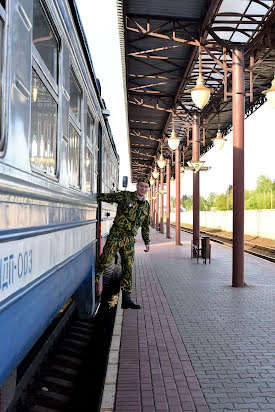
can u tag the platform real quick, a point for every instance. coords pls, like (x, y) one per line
(197, 344)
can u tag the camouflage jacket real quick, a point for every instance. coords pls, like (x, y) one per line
(131, 213)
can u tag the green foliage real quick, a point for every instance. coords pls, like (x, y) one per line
(221, 202)
(188, 203)
(254, 199)
(172, 202)
(264, 184)
(261, 197)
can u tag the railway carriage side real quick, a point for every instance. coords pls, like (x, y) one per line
(53, 127)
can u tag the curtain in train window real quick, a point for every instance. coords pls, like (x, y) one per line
(75, 97)
(43, 127)
(89, 167)
(44, 39)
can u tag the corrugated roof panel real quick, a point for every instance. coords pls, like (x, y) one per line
(167, 8)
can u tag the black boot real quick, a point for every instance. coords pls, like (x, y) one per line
(127, 303)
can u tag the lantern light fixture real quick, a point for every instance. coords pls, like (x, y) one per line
(270, 94)
(152, 181)
(200, 94)
(161, 161)
(173, 141)
(155, 173)
(219, 140)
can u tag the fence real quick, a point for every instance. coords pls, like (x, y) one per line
(259, 223)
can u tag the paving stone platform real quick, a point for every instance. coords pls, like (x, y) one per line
(197, 344)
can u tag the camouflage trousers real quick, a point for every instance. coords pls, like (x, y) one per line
(118, 241)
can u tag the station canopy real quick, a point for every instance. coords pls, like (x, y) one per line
(162, 43)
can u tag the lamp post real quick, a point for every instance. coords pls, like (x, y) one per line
(271, 199)
(196, 181)
(168, 199)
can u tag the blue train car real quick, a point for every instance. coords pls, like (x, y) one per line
(56, 154)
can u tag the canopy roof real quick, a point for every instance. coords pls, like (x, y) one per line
(160, 43)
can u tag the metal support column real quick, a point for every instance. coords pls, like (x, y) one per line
(161, 202)
(168, 199)
(157, 204)
(196, 180)
(154, 207)
(151, 205)
(178, 196)
(238, 93)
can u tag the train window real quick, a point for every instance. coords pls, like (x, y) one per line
(89, 164)
(74, 157)
(95, 169)
(43, 127)
(75, 97)
(1, 57)
(90, 127)
(44, 39)
(2, 20)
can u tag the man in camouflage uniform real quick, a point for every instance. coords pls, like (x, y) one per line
(133, 212)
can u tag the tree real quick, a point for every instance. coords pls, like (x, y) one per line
(221, 202)
(188, 203)
(264, 188)
(210, 201)
(203, 204)
(172, 202)
(264, 184)
(229, 198)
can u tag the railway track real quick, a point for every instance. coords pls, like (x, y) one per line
(66, 371)
(255, 249)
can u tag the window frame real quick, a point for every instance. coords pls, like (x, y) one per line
(3, 52)
(42, 71)
(58, 38)
(88, 147)
(71, 185)
(71, 114)
(91, 140)
(77, 125)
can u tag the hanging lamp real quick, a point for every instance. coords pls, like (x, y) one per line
(161, 161)
(173, 141)
(219, 140)
(200, 94)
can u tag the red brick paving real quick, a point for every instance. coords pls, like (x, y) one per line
(155, 373)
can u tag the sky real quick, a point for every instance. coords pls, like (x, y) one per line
(99, 20)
